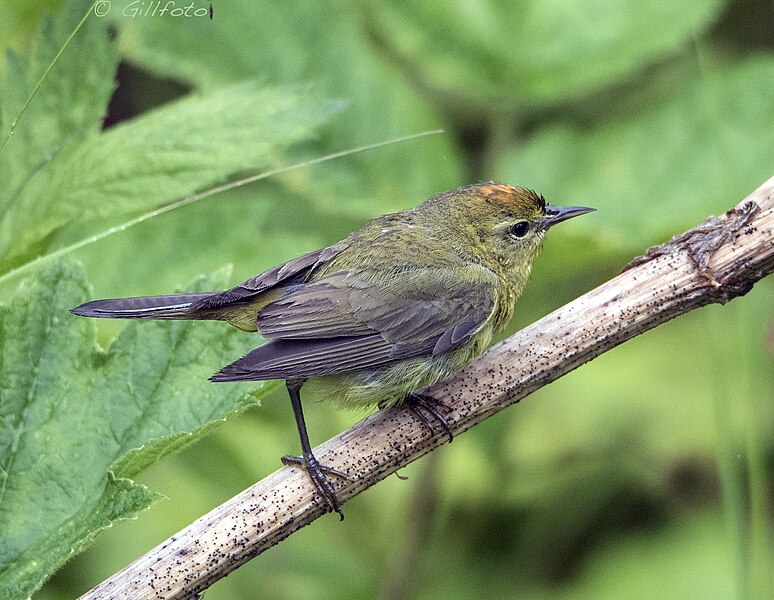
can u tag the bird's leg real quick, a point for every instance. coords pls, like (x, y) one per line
(422, 406)
(308, 461)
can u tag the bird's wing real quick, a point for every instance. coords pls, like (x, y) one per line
(284, 273)
(344, 323)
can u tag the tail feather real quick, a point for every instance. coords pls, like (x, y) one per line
(172, 306)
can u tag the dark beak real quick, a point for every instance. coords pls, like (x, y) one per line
(557, 214)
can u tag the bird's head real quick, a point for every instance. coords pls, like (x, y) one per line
(502, 225)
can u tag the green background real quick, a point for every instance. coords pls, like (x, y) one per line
(648, 473)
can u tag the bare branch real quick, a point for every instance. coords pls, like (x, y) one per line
(718, 260)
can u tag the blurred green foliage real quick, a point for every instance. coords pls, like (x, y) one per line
(648, 473)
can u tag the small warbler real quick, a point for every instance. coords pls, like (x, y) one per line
(373, 319)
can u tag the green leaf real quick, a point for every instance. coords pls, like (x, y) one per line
(120, 500)
(158, 158)
(70, 104)
(72, 413)
(60, 169)
(660, 170)
(503, 55)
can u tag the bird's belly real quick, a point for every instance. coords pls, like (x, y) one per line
(390, 384)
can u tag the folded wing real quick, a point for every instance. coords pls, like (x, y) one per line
(283, 274)
(344, 322)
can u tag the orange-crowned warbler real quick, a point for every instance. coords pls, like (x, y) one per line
(375, 318)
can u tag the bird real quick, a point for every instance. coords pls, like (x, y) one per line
(374, 319)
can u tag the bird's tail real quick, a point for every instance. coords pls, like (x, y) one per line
(172, 306)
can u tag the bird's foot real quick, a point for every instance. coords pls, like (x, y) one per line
(424, 406)
(317, 474)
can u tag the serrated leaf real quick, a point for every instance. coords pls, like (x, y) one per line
(120, 500)
(655, 173)
(511, 56)
(59, 168)
(71, 412)
(157, 158)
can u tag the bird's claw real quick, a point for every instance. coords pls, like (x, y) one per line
(422, 405)
(317, 475)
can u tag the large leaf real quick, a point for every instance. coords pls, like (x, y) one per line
(77, 421)
(653, 173)
(60, 168)
(157, 158)
(501, 55)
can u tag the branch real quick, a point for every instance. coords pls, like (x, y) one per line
(718, 260)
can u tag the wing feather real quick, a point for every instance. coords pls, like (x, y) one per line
(284, 273)
(343, 322)
(299, 359)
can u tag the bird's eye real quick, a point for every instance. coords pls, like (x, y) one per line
(520, 229)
